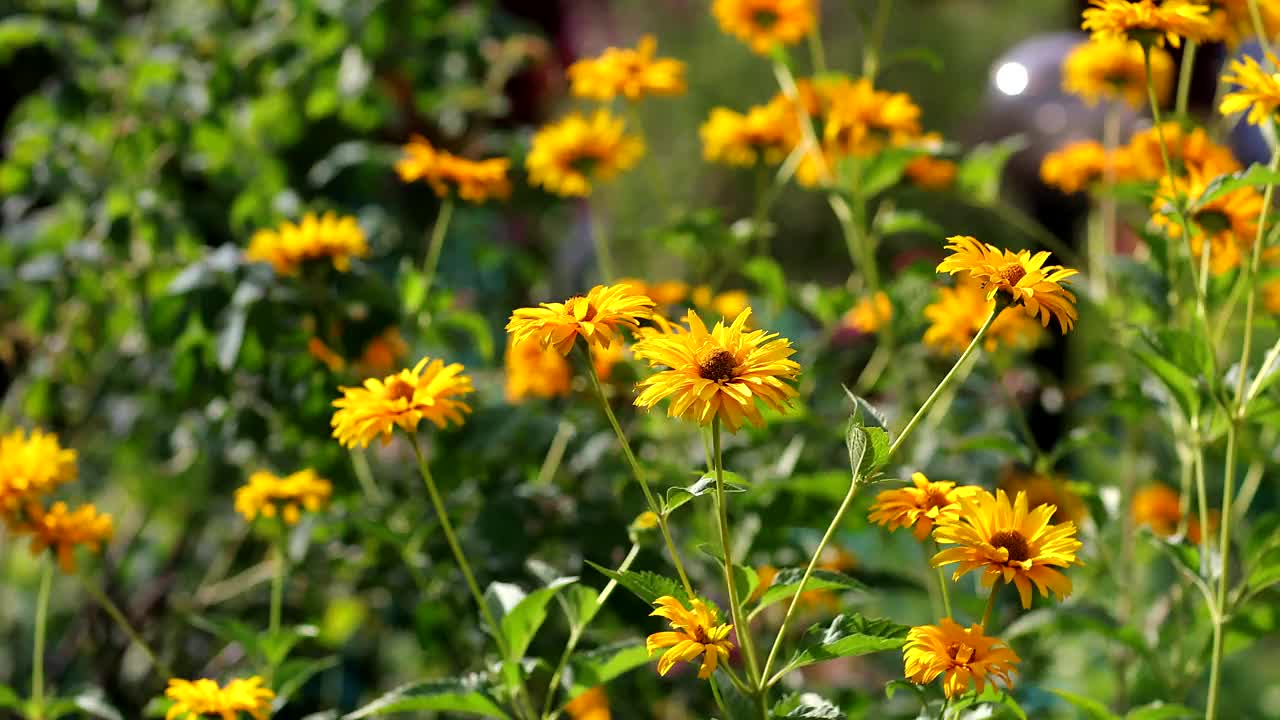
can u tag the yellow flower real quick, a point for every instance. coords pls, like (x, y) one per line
(569, 155)
(695, 633)
(430, 390)
(646, 520)
(1158, 507)
(662, 293)
(1188, 150)
(765, 133)
(204, 698)
(964, 657)
(329, 236)
(761, 23)
(1077, 166)
(1114, 69)
(590, 705)
(31, 467)
(718, 374)
(1042, 489)
(930, 173)
(598, 317)
(920, 507)
(627, 72)
(728, 304)
(265, 492)
(1147, 21)
(1258, 91)
(862, 120)
(1009, 543)
(1230, 221)
(1271, 296)
(958, 313)
(446, 173)
(869, 314)
(535, 371)
(1024, 277)
(1231, 23)
(62, 530)
(384, 352)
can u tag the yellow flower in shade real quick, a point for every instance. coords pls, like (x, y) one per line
(1230, 221)
(268, 495)
(862, 120)
(1115, 70)
(1158, 507)
(448, 174)
(383, 353)
(31, 466)
(1258, 89)
(1230, 21)
(332, 237)
(964, 657)
(590, 705)
(535, 371)
(63, 530)
(204, 698)
(1149, 21)
(317, 349)
(762, 23)
(662, 293)
(1023, 277)
(430, 391)
(569, 155)
(870, 313)
(1042, 489)
(930, 173)
(631, 73)
(1077, 166)
(958, 313)
(598, 317)
(693, 633)
(920, 507)
(765, 133)
(1009, 543)
(1188, 150)
(718, 373)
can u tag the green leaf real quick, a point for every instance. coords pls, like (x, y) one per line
(846, 636)
(866, 414)
(645, 585)
(856, 440)
(9, 698)
(581, 603)
(746, 579)
(893, 686)
(95, 706)
(1255, 176)
(677, 496)
(1180, 385)
(883, 170)
(878, 445)
(293, 674)
(1092, 709)
(522, 622)
(787, 581)
(767, 275)
(599, 666)
(807, 705)
(980, 171)
(1162, 711)
(460, 695)
(231, 631)
(900, 222)
(990, 696)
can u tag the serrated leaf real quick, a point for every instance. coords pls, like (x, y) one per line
(866, 414)
(812, 706)
(787, 581)
(877, 454)
(461, 695)
(581, 603)
(1092, 709)
(846, 636)
(599, 666)
(645, 585)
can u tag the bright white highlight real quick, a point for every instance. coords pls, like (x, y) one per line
(1012, 78)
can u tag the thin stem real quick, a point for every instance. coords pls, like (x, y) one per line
(1259, 28)
(726, 544)
(1202, 497)
(817, 54)
(854, 240)
(110, 608)
(991, 605)
(1184, 77)
(871, 53)
(1107, 205)
(636, 472)
(360, 464)
(942, 585)
(555, 453)
(764, 198)
(42, 620)
(604, 257)
(435, 244)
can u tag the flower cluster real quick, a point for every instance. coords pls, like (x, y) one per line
(448, 174)
(627, 72)
(290, 246)
(269, 495)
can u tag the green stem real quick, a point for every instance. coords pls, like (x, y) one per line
(1202, 497)
(942, 585)
(360, 464)
(871, 53)
(279, 569)
(991, 605)
(726, 544)
(109, 607)
(42, 620)
(1184, 77)
(1259, 28)
(434, 246)
(817, 54)
(604, 257)
(764, 198)
(555, 453)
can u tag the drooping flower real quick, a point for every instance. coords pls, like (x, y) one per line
(535, 371)
(964, 657)
(1188, 150)
(63, 530)
(693, 633)
(289, 246)
(1077, 166)
(869, 314)
(1009, 543)
(631, 73)
(449, 174)
(1022, 277)
(930, 173)
(1114, 69)
(590, 705)
(920, 507)
(597, 317)
(719, 373)
(31, 466)
(1258, 89)
(1229, 221)
(1150, 22)
(763, 23)
(269, 495)
(204, 698)
(569, 155)
(765, 133)
(430, 391)
(958, 313)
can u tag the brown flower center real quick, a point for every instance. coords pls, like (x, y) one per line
(1011, 274)
(718, 366)
(764, 18)
(1012, 541)
(1213, 221)
(398, 389)
(935, 498)
(960, 652)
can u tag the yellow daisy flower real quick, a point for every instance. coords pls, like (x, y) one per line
(1258, 91)
(63, 530)
(204, 698)
(765, 133)
(289, 246)
(630, 73)
(1230, 221)
(265, 493)
(869, 314)
(958, 313)
(446, 173)
(31, 466)
(862, 120)
(1150, 22)
(718, 373)
(693, 633)
(965, 657)
(590, 705)
(569, 155)
(1009, 543)
(920, 507)
(930, 173)
(1114, 69)
(1023, 277)
(762, 23)
(429, 391)
(1188, 150)
(1075, 167)
(535, 371)
(598, 317)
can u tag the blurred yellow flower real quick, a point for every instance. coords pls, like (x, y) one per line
(384, 352)
(862, 120)
(598, 317)
(1042, 489)
(869, 314)
(1258, 91)
(728, 304)
(662, 293)
(63, 530)
(964, 657)
(535, 371)
(920, 507)
(1148, 21)
(646, 520)
(569, 155)
(204, 698)
(631, 73)
(1114, 69)
(958, 313)
(590, 705)
(429, 391)
(1188, 150)
(269, 495)
(446, 173)
(1158, 507)
(762, 23)
(930, 173)
(718, 373)
(287, 247)
(31, 466)
(1230, 221)
(1024, 277)
(694, 633)
(1077, 166)
(765, 133)
(1230, 21)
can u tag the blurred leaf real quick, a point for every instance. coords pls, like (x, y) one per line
(9, 698)
(882, 171)
(806, 705)
(892, 687)
(990, 696)
(981, 170)
(464, 695)
(787, 581)
(230, 631)
(293, 674)
(1162, 711)
(1001, 443)
(846, 636)
(95, 706)
(1092, 709)
(1255, 176)
(766, 273)
(599, 666)
(918, 55)
(898, 222)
